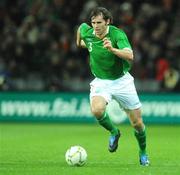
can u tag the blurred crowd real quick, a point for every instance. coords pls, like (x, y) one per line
(38, 51)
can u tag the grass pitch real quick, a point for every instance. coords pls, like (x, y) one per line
(39, 149)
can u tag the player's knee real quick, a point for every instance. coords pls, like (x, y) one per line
(98, 106)
(138, 124)
(98, 111)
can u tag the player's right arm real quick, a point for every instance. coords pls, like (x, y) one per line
(79, 41)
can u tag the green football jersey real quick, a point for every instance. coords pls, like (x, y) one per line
(103, 63)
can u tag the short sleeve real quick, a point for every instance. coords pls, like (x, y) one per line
(83, 29)
(122, 40)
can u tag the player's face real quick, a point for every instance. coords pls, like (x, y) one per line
(99, 25)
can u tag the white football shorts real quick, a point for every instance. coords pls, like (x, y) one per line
(122, 90)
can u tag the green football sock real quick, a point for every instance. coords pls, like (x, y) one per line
(107, 124)
(141, 138)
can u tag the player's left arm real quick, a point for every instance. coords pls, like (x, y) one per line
(125, 53)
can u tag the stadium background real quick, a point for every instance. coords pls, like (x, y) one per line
(44, 80)
(39, 55)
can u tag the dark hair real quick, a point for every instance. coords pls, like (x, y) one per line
(101, 11)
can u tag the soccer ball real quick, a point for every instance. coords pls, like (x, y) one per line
(76, 156)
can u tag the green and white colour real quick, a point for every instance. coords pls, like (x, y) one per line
(109, 66)
(74, 107)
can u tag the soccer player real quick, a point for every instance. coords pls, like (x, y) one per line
(111, 58)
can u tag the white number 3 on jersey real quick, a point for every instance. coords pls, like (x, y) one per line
(90, 47)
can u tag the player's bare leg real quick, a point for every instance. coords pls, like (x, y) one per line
(98, 108)
(140, 134)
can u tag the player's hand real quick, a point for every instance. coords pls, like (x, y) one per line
(107, 44)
